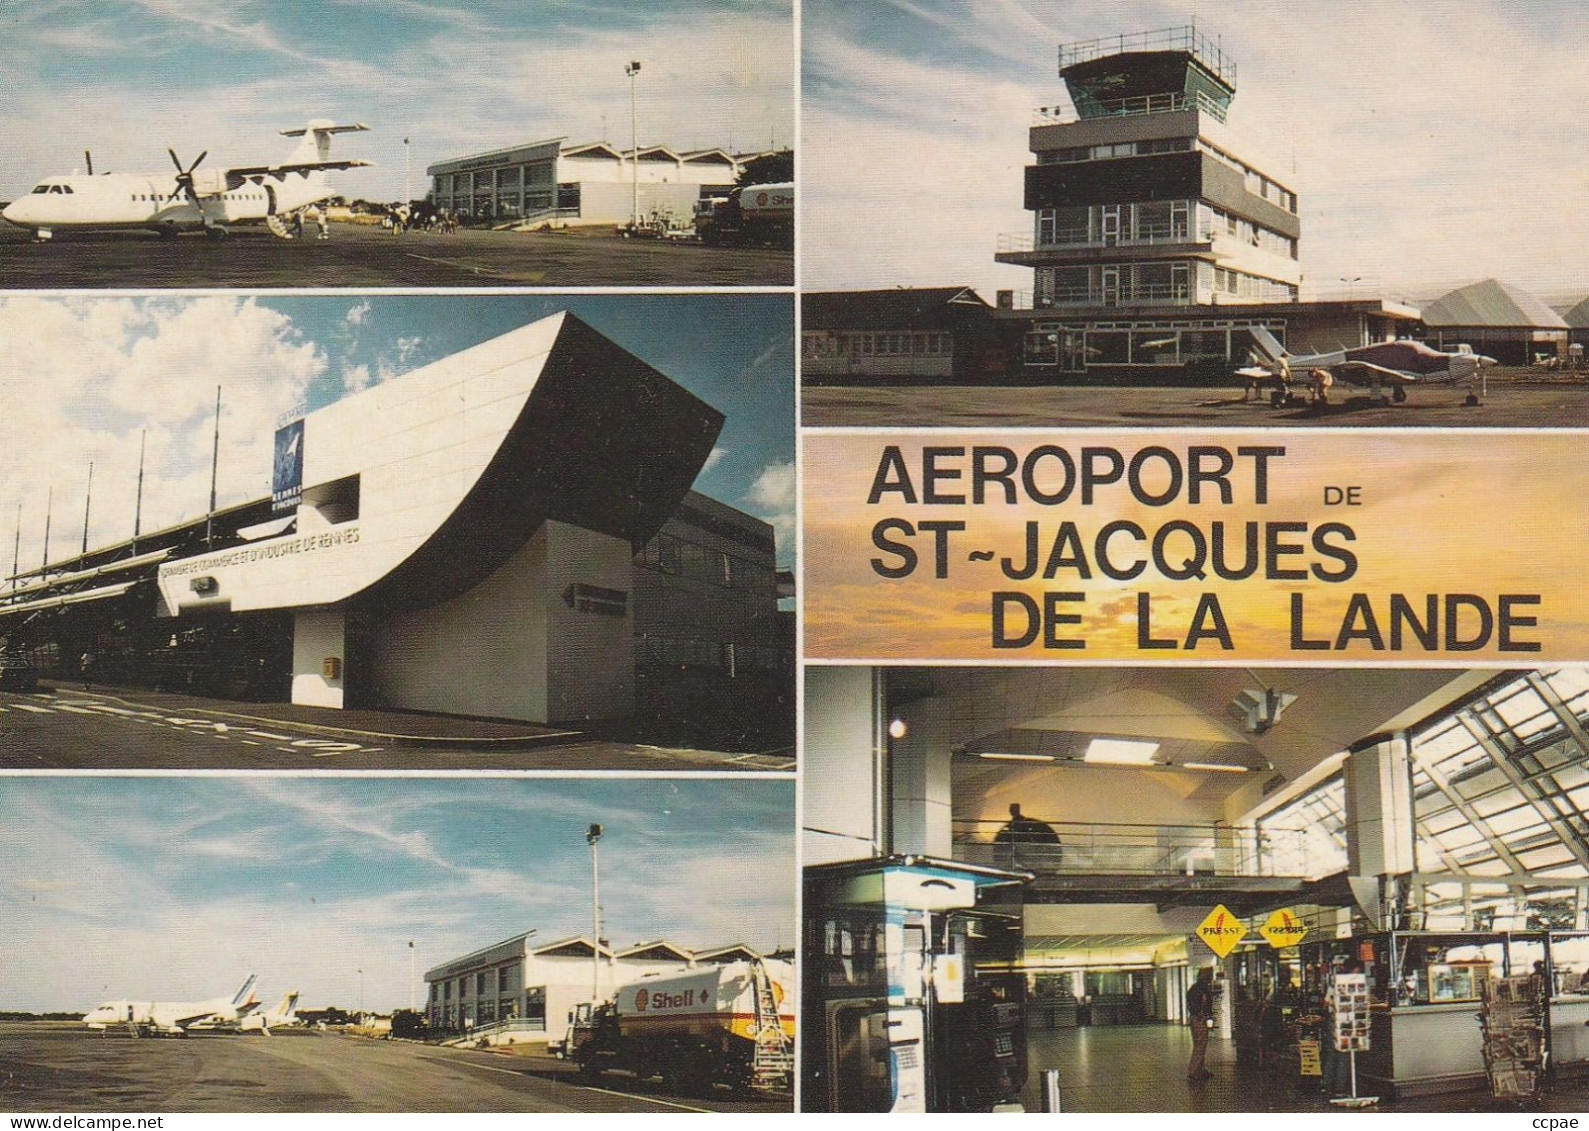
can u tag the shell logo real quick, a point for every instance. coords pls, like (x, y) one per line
(761, 199)
(641, 1000)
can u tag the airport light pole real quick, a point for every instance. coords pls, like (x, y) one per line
(411, 1006)
(408, 197)
(592, 835)
(632, 69)
(361, 995)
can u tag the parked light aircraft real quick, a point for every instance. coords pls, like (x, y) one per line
(188, 200)
(174, 1018)
(263, 1021)
(1391, 366)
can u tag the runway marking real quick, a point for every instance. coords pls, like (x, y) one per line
(31, 707)
(632, 1096)
(74, 710)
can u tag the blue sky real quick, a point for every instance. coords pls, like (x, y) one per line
(1431, 144)
(127, 78)
(156, 888)
(83, 378)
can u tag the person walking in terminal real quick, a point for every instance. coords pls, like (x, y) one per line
(1199, 1015)
(1024, 841)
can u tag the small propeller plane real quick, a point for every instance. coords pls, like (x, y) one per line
(190, 199)
(173, 1018)
(1381, 367)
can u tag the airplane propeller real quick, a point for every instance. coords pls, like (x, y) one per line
(185, 176)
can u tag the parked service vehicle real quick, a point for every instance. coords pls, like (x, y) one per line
(731, 1024)
(17, 673)
(751, 214)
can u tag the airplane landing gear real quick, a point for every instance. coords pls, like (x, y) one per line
(43, 235)
(1400, 394)
(215, 232)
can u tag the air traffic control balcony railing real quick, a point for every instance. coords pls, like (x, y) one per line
(1093, 848)
(1185, 38)
(1127, 107)
(1020, 243)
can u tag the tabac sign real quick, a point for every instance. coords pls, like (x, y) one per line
(1283, 929)
(1221, 931)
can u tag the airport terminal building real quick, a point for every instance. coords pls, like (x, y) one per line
(591, 183)
(508, 532)
(523, 987)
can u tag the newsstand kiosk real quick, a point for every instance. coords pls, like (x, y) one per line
(912, 999)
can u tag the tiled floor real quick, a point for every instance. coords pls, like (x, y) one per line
(1143, 1068)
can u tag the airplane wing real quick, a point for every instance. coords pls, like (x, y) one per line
(1368, 374)
(305, 167)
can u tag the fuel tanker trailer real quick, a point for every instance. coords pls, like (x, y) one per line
(729, 1024)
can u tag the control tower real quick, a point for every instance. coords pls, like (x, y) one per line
(1145, 207)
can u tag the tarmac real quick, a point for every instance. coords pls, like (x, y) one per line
(365, 256)
(1517, 398)
(62, 726)
(51, 1067)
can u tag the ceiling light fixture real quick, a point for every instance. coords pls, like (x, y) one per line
(1015, 757)
(1222, 767)
(1120, 752)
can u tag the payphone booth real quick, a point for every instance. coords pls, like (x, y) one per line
(912, 999)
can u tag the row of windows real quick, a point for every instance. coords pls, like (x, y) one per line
(1256, 234)
(1072, 349)
(1242, 285)
(1255, 182)
(1074, 153)
(504, 979)
(56, 189)
(887, 344)
(729, 658)
(678, 558)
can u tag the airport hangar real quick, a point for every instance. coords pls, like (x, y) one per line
(1160, 238)
(590, 183)
(521, 989)
(1432, 823)
(508, 532)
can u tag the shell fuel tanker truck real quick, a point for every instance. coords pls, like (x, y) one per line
(752, 214)
(731, 1024)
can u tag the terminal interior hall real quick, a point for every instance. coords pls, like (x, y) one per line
(1426, 824)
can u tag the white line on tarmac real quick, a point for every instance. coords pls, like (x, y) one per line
(31, 707)
(74, 710)
(632, 1096)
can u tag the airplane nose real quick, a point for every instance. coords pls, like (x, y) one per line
(16, 213)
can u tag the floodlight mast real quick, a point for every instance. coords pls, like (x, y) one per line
(632, 69)
(592, 835)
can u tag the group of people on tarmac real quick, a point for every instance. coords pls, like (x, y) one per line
(401, 218)
(322, 221)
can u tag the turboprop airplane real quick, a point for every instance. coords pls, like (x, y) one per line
(188, 200)
(1392, 366)
(173, 1018)
(263, 1021)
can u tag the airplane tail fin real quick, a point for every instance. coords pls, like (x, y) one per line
(289, 1005)
(1266, 345)
(242, 993)
(316, 143)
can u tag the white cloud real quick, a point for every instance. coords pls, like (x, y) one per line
(84, 380)
(713, 459)
(358, 312)
(772, 497)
